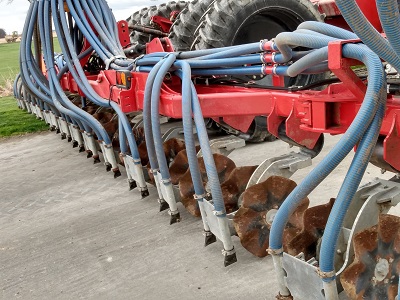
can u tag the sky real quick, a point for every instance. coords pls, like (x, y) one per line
(12, 16)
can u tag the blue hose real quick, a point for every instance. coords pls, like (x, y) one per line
(212, 174)
(347, 192)
(308, 61)
(148, 132)
(367, 33)
(55, 89)
(81, 80)
(187, 121)
(72, 110)
(353, 134)
(284, 39)
(328, 30)
(155, 116)
(389, 15)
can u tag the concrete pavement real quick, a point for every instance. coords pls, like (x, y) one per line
(68, 230)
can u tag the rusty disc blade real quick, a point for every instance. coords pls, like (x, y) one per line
(374, 273)
(235, 185)
(253, 220)
(313, 226)
(252, 230)
(178, 167)
(142, 149)
(138, 134)
(172, 147)
(224, 167)
(268, 194)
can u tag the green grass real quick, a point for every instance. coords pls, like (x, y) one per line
(14, 121)
(9, 60)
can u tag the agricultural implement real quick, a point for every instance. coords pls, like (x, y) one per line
(295, 86)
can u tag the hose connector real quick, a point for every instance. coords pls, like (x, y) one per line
(265, 45)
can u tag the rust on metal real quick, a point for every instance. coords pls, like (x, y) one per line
(178, 167)
(235, 185)
(374, 273)
(313, 226)
(260, 203)
(224, 166)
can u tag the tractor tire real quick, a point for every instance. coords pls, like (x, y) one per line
(137, 37)
(143, 17)
(235, 22)
(183, 30)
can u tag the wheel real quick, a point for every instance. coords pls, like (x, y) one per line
(182, 32)
(143, 17)
(137, 37)
(232, 22)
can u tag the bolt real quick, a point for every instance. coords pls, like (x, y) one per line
(338, 251)
(381, 269)
(383, 171)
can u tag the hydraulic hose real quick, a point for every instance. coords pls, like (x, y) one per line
(284, 39)
(367, 33)
(155, 116)
(78, 74)
(208, 157)
(57, 93)
(353, 134)
(72, 110)
(304, 63)
(185, 75)
(390, 19)
(347, 192)
(148, 132)
(328, 30)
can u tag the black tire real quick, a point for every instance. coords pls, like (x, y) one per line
(235, 22)
(232, 22)
(183, 30)
(143, 17)
(135, 18)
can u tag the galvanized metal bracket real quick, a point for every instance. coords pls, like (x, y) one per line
(285, 165)
(225, 145)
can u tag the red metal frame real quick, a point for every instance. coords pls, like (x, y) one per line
(163, 23)
(306, 114)
(333, 15)
(123, 33)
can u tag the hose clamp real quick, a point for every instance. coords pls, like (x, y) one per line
(274, 69)
(154, 171)
(135, 61)
(199, 197)
(207, 233)
(219, 213)
(326, 275)
(166, 181)
(109, 61)
(137, 161)
(173, 212)
(273, 54)
(228, 252)
(277, 252)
